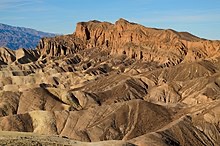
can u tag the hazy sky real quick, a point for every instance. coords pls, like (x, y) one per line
(200, 17)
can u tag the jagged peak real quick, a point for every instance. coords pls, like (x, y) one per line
(123, 24)
(87, 24)
(116, 38)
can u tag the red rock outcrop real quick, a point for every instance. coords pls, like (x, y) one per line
(167, 47)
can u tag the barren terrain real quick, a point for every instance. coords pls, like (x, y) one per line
(112, 84)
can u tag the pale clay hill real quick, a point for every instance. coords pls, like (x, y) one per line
(117, 84)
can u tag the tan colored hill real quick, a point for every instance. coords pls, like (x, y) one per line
(112, 84)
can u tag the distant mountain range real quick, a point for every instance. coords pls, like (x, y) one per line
(20, 37)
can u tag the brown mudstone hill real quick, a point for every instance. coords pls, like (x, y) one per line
(112, 84)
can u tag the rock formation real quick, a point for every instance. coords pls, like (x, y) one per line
(166, 47)
(121, 84)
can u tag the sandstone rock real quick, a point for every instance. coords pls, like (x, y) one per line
(167, 47)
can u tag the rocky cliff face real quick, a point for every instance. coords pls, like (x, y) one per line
(166, 47)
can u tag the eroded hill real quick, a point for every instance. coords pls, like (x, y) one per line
(122, 81)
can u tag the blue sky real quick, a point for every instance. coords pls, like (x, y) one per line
(199, 17)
